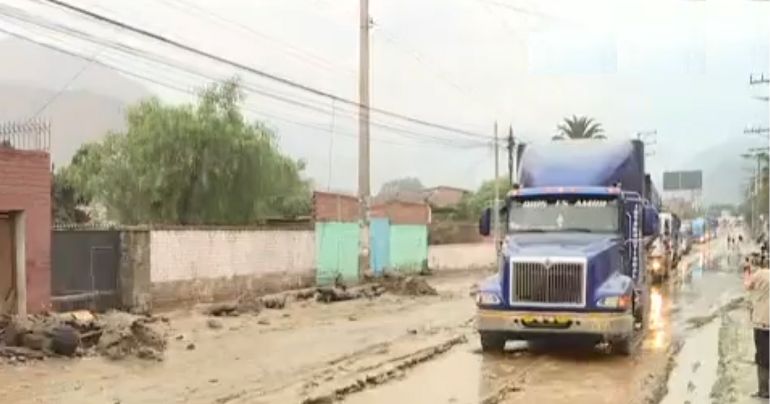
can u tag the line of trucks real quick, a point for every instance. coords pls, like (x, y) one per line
(583, 238)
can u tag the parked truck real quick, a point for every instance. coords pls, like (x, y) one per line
(572, 261)
(663, 256)
(698, 230)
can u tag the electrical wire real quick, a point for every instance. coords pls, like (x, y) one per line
(187, 6)
(255, 71)
(167, 62)
(169, 84)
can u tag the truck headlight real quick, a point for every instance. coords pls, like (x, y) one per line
(487, 299)
(615, 302)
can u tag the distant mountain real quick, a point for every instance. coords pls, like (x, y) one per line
(92, 105)
(723, 169)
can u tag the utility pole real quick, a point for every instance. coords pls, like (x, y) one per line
(496, 207)
(511, 152)
(758, 153)
(363, 136)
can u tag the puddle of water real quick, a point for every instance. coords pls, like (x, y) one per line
(696, 366)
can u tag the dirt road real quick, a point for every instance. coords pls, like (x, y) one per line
(390, 349)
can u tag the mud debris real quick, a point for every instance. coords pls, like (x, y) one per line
(114, 335)
(390, 371)
(125, 334)
(214, 324)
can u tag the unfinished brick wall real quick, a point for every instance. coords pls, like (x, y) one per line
(25, 186)
(331, 207)
(403, 212)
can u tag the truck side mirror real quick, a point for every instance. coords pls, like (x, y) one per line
(485, 222)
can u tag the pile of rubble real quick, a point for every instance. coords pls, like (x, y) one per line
(115, 335)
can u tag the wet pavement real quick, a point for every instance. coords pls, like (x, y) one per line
(421, 350)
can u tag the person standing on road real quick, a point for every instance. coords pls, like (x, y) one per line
(758, 285)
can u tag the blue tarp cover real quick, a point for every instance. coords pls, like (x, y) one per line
(583, 162)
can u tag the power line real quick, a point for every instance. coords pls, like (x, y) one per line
(175, 86)
(166, 62)
(186, 6)
(258, 72)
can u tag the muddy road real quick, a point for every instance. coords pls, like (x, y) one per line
(406, 349)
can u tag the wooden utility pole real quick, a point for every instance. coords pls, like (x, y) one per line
(363, 136)
(511, 156)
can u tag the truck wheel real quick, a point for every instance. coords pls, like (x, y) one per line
(623, 346)
(492, 341)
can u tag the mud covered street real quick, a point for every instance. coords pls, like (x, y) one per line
(418, 349)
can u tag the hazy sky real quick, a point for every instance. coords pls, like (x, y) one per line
(679, 67)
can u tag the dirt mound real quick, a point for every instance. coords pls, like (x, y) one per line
(115, 335)
(125, 334)
(408, 285)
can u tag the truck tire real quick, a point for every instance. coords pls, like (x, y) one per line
(492, 341)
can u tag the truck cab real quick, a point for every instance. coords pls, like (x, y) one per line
(572, 265)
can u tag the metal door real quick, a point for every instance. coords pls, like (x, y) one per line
(379, 240)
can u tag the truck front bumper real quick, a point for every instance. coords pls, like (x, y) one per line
(538, 323)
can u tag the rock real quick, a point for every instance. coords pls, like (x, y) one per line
(146, 352)
(190, 346)
(222, 309)
(412, 331)
(179, 337)
(263, 321)
(305, 294)
(34, 341)
(214, 324)
(65, 340)
(352, 318)
(16, 328)
(276, 303)
(213, 380)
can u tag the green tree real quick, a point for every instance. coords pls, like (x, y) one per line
(191, 164)
(579, 128)
(473, 204)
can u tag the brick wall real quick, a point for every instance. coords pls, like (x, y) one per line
(400, 212)
(25, 185)
(331, 207)
(206, 265)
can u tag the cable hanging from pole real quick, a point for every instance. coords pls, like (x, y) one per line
(250, 69)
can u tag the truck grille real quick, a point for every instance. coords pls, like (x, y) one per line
(555, 283)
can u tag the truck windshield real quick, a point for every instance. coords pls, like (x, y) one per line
(559, 214)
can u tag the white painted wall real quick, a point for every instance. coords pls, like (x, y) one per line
(460, 256)
(200, 254)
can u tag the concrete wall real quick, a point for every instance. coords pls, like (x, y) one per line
(134, 272)
(25, 186)
(205, 265)
(448, 257)
(408, 246)
(337, 251)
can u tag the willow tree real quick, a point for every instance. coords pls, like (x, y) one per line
(200, 163)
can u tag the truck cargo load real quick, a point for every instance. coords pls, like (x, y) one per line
(600, 163)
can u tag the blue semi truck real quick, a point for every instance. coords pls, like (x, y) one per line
(572, 260)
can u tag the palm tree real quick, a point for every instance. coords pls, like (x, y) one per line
(579, 128)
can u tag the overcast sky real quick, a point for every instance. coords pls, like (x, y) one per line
(679, 67)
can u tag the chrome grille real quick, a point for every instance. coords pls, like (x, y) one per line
(541, 283)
